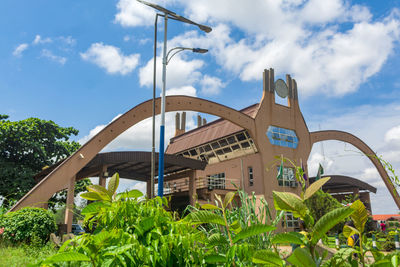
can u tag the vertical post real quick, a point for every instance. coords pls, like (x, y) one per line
(192, 187)
(337, 244)
(162, 125)
(102, 177)
(70, 204)
(396, 241)
(374, 242)
(150, 193)
(148, 189)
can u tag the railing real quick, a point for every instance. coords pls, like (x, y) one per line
(182, 185)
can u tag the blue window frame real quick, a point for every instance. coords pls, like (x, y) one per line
(282, 137)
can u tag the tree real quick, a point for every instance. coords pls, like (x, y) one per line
(26, 147)
(320, 204)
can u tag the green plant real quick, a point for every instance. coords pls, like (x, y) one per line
(229, 246)
(27, 225)
(130, 230)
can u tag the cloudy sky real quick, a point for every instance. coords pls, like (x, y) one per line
(83, 63)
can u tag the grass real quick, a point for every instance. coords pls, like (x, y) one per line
(23, 255)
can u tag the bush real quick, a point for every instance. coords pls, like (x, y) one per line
(27, 225)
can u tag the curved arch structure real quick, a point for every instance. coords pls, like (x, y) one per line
(60, 177)
(358, 143)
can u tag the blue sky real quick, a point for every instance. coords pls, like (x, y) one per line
(82, 63)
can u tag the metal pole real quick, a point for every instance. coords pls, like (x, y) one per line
(153, 140)
(162, 124)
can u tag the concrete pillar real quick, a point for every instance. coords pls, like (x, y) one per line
(102, 177)
(70, 204)
(148, 189)
(192, 187)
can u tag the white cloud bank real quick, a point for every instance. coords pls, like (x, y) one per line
(111, 58)
(330, 46)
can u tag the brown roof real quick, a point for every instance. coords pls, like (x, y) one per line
(135, 165)
(384, 217)
(206, 133)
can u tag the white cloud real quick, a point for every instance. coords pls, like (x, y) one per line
(393, 135)
(139, 137)
(180, 72)
(315, 160)
(324, 54)
(111, 58)
(20, 49)
(49, 55)
(211, 85)
(132, 13)
(39, 40)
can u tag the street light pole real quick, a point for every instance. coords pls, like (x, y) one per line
(162, 123)
(172, 15)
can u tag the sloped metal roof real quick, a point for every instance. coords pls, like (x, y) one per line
(207, 133)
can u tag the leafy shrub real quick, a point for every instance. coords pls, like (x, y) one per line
(27, 225)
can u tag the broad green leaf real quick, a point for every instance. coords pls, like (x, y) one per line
(99, 190)
(115, 250)
(349, 231)
(359, 216)
(228, 198)
(314, 187)
(252, 231)
(205, 216)
(134, 193)
(215, 258)
(209, 207)
(235, 227)
(67, 256)
(216, 240)
(267, 257)
(290, 202)
(218, 197)
(326, 222)
(395, 260)
(93, 207)
(113, 184)
(93, 196)
(301, 257)
(288, 238)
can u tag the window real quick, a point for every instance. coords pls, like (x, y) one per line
(251, 181)
(288, 177)
(216, 181)
(282, 137)
(291, 221)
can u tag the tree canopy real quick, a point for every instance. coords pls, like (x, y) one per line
(26, 147)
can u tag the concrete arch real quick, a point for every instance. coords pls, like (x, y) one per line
(358, 143)
(61, 176)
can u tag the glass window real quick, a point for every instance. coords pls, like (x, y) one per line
(291, 221)
(223, 142)
(282, 137)
(215, 145)
(288, 178)
(231, 140)
(240, 136)
(251, 181)
(216, 181)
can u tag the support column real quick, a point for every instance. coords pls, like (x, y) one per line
(70, 204)
(102, 177)
(148, 189)
(192, 187)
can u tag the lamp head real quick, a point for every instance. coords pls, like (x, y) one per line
(205, 28)
(199, 50)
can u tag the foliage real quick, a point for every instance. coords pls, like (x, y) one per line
(26, 147)
(28, 225)
(131, 231)
(233, 247)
